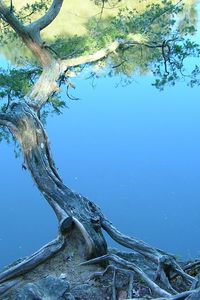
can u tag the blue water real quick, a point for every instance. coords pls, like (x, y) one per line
(135, 151)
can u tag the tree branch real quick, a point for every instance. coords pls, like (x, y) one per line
(48, 18)
(47, 84)
(11, 19)
(5, 120)
(103, 53)
(29, 35)
(84, 59)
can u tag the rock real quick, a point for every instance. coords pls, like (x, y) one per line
(29, 292)
(67, 296)
(86, 292)
(50, 287)
(53, 286)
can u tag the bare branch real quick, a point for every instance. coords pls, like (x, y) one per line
(84, 59)
(105, 52)
(48, 18)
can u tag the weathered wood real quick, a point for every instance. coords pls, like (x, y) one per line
(131, 266)
(163, 260)
(7, 286)
(65, 203)
(34, 260)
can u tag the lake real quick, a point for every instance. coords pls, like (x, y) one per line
(133, 150)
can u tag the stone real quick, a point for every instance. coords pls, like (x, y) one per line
(29, 292)
(67, 296)
(50, 287)
(53, 286)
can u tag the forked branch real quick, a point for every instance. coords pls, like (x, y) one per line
(48, 18)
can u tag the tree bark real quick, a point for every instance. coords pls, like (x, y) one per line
(71, 208)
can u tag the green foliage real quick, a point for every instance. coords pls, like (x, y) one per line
(153, 25)
(163, 31)
(9, 40)
(178, 65)
(68, 47)
(32, 10)
(4, 135)
(164, 47)
(15, 83)
(57, 104)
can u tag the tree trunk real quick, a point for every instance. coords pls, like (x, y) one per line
(71, 208)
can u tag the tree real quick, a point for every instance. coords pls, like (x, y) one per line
(161, 33)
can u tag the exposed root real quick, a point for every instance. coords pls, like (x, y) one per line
(34, 260)
(130, 287)
(8, 285)
(132, 243)
(192, 267)
(114, 295)
(128, 265)
(180, 296)
(114, 270)
(162, 276)
(73, 209)
(167, 265)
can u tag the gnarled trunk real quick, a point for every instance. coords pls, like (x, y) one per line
(71, 208)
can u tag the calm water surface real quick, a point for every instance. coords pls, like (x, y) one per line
(135, 151)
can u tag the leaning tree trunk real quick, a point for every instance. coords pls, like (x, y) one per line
(71, 208)
(74, 210)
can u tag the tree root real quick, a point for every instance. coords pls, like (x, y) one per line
(131, 266)
(192, 267)
(114, 269)
(33, 261)
(8, 285)
(167, 268)
(179, 296)
(166, 263)
(73, 209)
